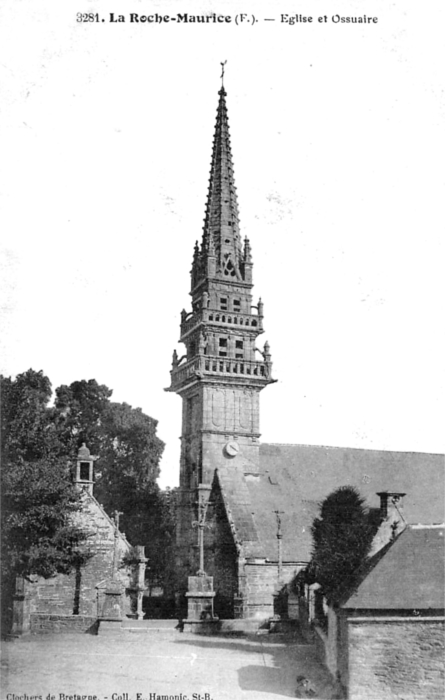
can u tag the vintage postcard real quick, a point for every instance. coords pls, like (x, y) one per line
(222, 349)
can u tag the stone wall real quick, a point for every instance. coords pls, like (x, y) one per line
(261, 581)
(41, 624)
(326, 642)
(396, 658)
(211, 416)
(75, 594)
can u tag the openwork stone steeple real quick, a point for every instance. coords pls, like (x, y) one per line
(221, 252)
(221, 224)
(222, 370)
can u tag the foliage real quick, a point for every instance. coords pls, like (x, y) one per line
(38, 497)
(161, 545)
(24, 418)
(129, 458)
(153, 524)
(129, 451)
(38, 535)
(39, 442)
(78, 415)
(342, 538)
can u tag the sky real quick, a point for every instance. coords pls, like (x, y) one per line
(338, 144)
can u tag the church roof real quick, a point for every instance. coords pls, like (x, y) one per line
(409, 576)
(294, 479)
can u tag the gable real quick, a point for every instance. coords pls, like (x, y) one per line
(93, 518)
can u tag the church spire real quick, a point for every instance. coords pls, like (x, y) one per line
(222, 371)
(221, 237)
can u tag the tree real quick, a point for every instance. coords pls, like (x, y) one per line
(39, 449)
(24, 416)
(130, 456)
(38, 497)
(125, 440)
(342, 538)
(78, 415)
(37, 529)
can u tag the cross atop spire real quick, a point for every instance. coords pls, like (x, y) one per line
(223, 64)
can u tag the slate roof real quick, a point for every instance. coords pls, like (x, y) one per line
(409, 576)
(294, 479)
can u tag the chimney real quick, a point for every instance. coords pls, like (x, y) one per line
(392, 521)
(391, 505)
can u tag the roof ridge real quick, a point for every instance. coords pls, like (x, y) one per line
(345, 447)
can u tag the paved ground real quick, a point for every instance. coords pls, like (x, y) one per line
(154, 664)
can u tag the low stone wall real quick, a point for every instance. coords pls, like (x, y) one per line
(45, 624)
(320, 640)
(304, 624)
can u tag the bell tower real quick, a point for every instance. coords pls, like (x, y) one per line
(221, 373)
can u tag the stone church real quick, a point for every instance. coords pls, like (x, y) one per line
(259, 500)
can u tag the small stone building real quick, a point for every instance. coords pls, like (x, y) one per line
(390, 631)
(73, 602)
(385, 637)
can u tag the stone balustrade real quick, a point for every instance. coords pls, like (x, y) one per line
(225, 318)
(211, 365)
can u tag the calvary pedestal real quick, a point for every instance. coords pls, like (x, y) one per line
(200, 595)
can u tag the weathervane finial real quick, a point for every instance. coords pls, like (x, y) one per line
(223, 63)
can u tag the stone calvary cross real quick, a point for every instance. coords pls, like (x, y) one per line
(201, 525)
